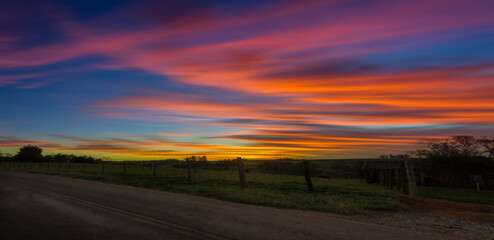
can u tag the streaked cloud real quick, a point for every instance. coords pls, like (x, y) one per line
(287, 78)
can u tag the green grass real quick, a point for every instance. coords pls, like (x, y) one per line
(460, 195)
(346, 196)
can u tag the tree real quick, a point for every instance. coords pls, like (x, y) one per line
(30, 153)
(455, 158)
(488, 144)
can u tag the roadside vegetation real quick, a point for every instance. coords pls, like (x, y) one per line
(346, 196)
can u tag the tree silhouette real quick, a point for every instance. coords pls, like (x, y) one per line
(30, 153)
(488, 144)
(455, 158)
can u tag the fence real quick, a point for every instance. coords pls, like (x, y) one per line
(143, 170)
(386, 173)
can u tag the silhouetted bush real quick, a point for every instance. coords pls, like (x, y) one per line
(171, 162)
(63, 158)
(29, 153)
(224, 164)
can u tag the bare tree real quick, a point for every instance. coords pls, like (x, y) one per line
(488, 144)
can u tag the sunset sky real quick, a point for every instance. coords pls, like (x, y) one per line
(255, 79)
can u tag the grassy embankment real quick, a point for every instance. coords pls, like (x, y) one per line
(347, 196)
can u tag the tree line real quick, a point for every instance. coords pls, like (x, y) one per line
(457, 158)
(32, 153)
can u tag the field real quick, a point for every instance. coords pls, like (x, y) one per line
(346, 196)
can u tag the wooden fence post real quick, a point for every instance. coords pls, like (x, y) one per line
(404, 181)
(188, 170)
(308, 180)
(241, 172)
(412, 186)
(102, 168)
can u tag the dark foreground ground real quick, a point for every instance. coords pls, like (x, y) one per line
(46, 207)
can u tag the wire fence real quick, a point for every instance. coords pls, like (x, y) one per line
(238, 171)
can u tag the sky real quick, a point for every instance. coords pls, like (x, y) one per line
(255, 79)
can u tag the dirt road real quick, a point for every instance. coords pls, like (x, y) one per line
(47, 207)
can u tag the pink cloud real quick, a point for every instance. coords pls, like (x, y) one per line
(298, 52)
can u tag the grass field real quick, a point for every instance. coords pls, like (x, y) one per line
(347, 196)
(460, 195)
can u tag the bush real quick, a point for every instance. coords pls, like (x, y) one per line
(29, 153)
(61, 157)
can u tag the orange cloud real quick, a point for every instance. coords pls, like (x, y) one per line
(294, 79)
